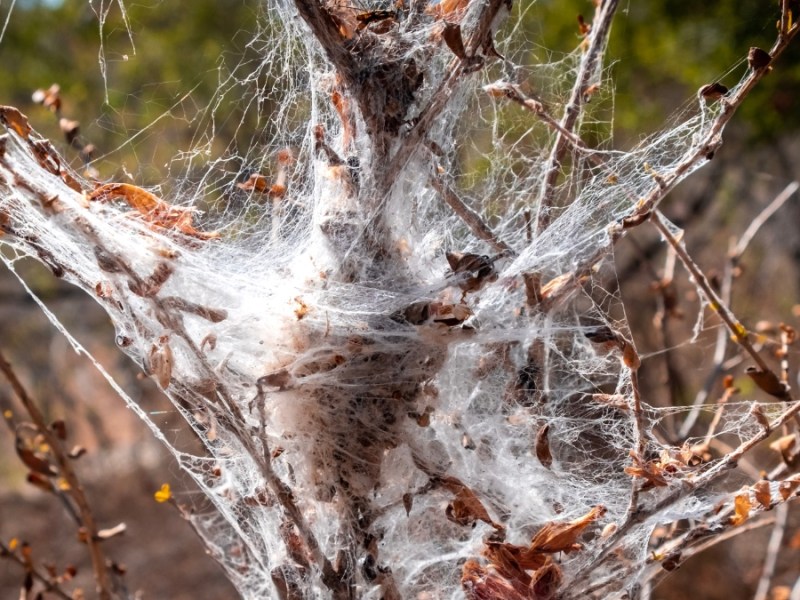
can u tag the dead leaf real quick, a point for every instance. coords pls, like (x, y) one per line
(712, 91)
(768, 382)
(763, 495)
(149, 287)
(788, 487)
(479, 583)
(466, 508)
(473, 271)
(785, 445)
(151, 208)
(160, 362)
(758, 59)
(408, 502)
(543, 446)
(741, 507)
(651, 471)
(556, 285)
(17, 121)
(302, 308)
(450, 315)
(562, 537)
(59, 428)
(546, 580)
(451, 34)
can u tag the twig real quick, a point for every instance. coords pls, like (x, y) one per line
(762, 218)
(50, 585)
(104, 588)
(515, 94)
(738, 330)
(773, 547)
(702, 481)
(472, 219)
(441, 97)
(734, 256)
(601, 27)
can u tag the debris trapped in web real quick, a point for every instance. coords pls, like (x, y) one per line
(402, 367)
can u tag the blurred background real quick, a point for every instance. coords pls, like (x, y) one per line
(164, 68)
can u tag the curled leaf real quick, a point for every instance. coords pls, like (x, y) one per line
(562, 537)
(712, 91)
(160, 362)
(13, 118)
(451, 34)
(480, 583)
(758, 58)
(543, 446)
(769, 382)
(151, 208)
(466, 508)
(741, 507)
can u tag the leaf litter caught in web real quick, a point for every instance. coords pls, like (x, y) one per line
(151, 208)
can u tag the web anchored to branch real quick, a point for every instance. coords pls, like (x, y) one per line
(400, 362)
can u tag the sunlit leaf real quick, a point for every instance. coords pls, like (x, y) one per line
(741, 507)
(563, 537)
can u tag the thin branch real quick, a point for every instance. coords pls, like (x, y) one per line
(738, 330)
(773, 548)
(514, 93)
(50, 585)
(104, 587)
(489, 10)
(598, 38)
(762, 218)
(471, 219)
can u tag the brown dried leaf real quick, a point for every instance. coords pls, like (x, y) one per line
(466, 508)
(543, 446)
(451, 33)
(479, 583)
(761, 489)
(546, 580)
(768, 382)
(151, 208)
(758, 59)
(59, 428)
(160, 362)
(281, 379)
(652, 471)
(785, 445)
(741, 507)
(562, 537)
(511, 560)
(302, 308)
(408, 502)
(215, 315)
(788, 487)
(450, 315)
(17, 121)
(712, 91)
(150, 286)
(39, 481)
(556, 285)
